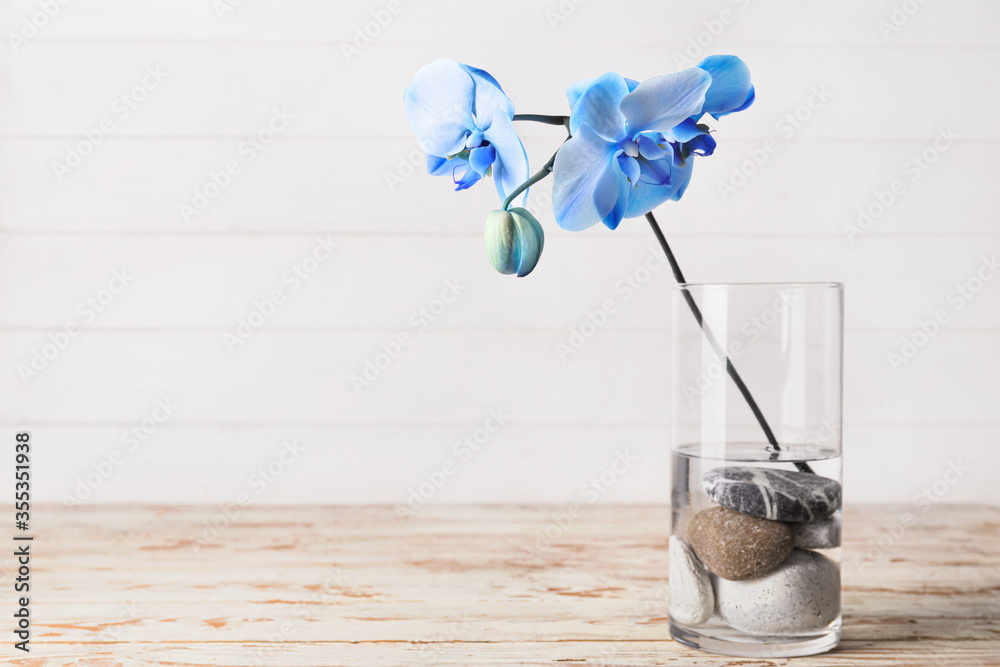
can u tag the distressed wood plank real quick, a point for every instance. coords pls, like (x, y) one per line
(459, 585)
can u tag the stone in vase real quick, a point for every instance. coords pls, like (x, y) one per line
(818, 534)
(779, 495)
(692, 600)
(739, 546)
(801, 597)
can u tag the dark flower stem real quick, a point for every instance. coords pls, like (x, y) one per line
(678, 276)
(542, 118)
(737, 380)
(539, 175)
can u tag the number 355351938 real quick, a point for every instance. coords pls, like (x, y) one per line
(22, 477)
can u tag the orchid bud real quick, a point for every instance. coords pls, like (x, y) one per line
(514, 241)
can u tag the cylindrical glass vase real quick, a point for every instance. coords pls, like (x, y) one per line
(756, 452)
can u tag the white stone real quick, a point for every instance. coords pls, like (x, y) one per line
(801, 597)
(691, 598)
(818, 534)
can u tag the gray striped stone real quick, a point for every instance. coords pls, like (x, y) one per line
(779, 495)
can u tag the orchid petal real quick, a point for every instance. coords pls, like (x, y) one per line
(469, 177)
(629, 167)
(438, 103)
(750, 98)
(646, 197)
(703, 145)
(653, 149)
(489, 96)
(730, 89)
(598, 107)
(439, 166)
(660, 103)
(617, 212)
(511, 166)
(685, 131)
(481, 158)
(585, 186)
(474, 139)
(655, 172)
(575, 90)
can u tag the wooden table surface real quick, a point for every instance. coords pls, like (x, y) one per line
(463, 586)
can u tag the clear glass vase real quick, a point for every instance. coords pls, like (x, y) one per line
(756, 452)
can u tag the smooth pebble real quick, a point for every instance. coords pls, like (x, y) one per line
(739, 546)
(801, 597)
(818, 534)
(779, 495)
(691, 598)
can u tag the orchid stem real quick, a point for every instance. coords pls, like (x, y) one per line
(539, 175)
(542, 118)
(737, 380)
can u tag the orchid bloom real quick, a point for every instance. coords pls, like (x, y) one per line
(463, 121)
(632, 143)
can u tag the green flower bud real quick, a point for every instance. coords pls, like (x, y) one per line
(514, 241)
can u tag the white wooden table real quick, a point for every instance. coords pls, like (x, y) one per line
(463, 586)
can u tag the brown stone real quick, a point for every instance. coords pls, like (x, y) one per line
(738, 546)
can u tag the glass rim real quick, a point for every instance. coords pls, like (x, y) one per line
(793, 285)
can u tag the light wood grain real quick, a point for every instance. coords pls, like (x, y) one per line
(465, 585)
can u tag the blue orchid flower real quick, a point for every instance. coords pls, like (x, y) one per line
(632, 142)
(463, 121)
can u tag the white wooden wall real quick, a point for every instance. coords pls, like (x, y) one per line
(338, 171)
